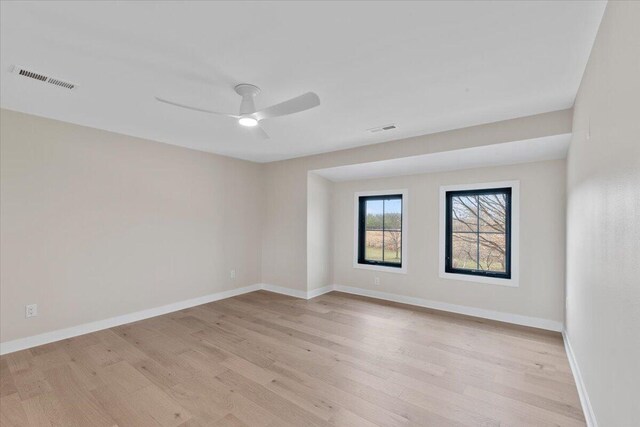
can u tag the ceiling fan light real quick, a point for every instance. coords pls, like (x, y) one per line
(247, 121)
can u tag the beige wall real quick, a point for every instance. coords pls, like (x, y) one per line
(540, 293)
(603, 221)
(319, 232)
(96, 224)
(284, 261)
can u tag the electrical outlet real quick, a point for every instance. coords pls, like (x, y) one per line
(232, 274)
(30, 310)
(376, 280)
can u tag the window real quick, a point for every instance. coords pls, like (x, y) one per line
(380, 224)
(478, 232)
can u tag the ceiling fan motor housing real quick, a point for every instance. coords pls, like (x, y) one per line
(247, 92)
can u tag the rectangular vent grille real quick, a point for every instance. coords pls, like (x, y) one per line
(33, 75)
(60, 83)
(383, 128)
(43, 78)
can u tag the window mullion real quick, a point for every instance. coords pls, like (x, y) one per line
(478, 232)
(383, 205)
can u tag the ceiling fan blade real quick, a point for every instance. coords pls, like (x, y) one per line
(188, 107)
(294, 105)
(260, 132)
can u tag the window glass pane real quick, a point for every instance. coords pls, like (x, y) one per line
(493, 250)
(493, 212)
(374, 214)
(373, 245)
(464, 251)
(393, 246)
(464, 213)
(393, 230)
(393, 214)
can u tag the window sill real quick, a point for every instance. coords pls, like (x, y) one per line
(401, 270)
(512, 283)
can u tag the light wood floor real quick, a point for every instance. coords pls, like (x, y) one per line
(263, 359)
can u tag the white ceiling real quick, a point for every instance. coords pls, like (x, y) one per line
(508, 153)
(425, 66)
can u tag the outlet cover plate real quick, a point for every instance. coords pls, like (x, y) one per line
(30, 310)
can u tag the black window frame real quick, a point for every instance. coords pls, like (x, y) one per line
(448, 267)
(362, 215)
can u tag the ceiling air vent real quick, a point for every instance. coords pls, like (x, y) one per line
(37, 76)
(382, 128)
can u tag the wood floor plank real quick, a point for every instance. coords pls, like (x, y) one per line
(269, 400)
(7, 385)
(267, 360)
(123, 411)
(160, 406)
(79, 404)
(12, 412)
(209, 399)
(229, 421)
(46, 409)
(305, 384)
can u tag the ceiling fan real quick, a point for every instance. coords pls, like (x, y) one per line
(248, 116)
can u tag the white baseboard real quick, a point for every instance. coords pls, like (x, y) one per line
(60, 334)
(74, 331)
(296, 293)
(582, 390)
(535, 322)
(320, 291)
(284, 291)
